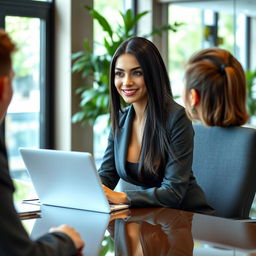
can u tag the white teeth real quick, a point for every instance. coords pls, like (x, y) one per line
(129, 91)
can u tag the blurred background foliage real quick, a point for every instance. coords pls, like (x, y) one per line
(251, 93)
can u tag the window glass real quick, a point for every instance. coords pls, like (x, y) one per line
(22, 121)
(110, 10)
(185, 41)
(204, 25)
(226, 31)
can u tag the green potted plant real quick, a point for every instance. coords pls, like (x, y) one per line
(95, 97)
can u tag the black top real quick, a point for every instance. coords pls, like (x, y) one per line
(132, 169)
(149, 181)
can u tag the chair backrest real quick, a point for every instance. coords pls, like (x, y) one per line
(224, 164)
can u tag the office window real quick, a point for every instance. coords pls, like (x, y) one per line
(209, 23)
(186, 40)
(27, 123)
(110, 10)
(22, 123)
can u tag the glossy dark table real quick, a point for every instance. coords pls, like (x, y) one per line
(152, 231)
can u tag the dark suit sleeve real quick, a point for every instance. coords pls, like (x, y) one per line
(14, 241)
(107, 171)
(178, 169)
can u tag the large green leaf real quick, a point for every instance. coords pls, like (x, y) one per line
(77, 55)
(130, 21)
(102, 21)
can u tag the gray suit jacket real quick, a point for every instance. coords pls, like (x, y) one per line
(178, 187)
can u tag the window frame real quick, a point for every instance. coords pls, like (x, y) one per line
(44, 11)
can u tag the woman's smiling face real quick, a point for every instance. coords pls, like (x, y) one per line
(129, 79)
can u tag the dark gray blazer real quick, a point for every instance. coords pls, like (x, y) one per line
(178, 187)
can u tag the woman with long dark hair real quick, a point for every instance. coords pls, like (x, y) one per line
(151, 141)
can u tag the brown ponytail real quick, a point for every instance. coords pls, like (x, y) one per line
(220, 81)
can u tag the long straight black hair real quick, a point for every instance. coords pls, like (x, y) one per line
(155, 143)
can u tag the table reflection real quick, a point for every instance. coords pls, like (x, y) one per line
(91, 225)
(153, 232)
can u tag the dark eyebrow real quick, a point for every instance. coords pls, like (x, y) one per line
(131, 69)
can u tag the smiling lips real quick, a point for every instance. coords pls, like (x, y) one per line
(129, 92)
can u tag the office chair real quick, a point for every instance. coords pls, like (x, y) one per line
(224, 165)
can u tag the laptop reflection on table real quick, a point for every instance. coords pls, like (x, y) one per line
(90, 225)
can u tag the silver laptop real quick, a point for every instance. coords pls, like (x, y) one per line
(67, 179)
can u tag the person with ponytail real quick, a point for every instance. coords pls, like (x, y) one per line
(151, 141)
(215, 88)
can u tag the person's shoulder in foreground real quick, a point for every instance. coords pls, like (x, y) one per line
(14, 240)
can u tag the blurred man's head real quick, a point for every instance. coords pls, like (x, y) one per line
(6, 73)
(6, 49)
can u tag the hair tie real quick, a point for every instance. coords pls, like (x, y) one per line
(222, 68)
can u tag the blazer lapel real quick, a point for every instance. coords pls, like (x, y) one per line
(122, 141)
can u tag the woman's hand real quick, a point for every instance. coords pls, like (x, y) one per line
(115, 197)
(72, 233)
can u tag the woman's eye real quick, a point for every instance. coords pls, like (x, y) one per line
(118, 74)
(138, 73)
